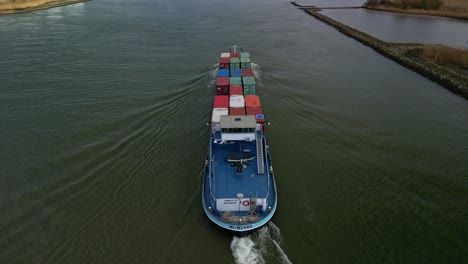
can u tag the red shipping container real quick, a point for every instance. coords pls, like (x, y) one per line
(221, 101)
(252, 101)
(222, 90)
(235, 54)
(247, 72)
(236, 90)
(224, 63)
(237, 111)
(222, 86)
(257, 112)
(222, 82)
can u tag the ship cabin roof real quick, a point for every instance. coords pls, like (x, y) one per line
(238, 121)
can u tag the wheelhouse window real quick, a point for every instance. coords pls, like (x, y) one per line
(238, 130)
(238, 124)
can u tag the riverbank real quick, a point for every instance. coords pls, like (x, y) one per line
(441, 13)
(406, 55)
(457, 9)
(21, 6)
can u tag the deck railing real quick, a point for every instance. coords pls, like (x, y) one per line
(259, 143)
(210, 178)
(267, 165)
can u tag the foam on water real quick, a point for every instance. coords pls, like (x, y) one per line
(257, 70)
(244, 251)
(214, 71)
(260, 247)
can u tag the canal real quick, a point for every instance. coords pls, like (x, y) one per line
(103, 139)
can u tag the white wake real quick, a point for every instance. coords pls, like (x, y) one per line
(260, 247)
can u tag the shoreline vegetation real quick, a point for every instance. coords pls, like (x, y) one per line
(457, 9)
(21, 6)
(441, 64)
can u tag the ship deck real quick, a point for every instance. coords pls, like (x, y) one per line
(227, 181)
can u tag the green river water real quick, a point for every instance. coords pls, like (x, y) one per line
(103, 111)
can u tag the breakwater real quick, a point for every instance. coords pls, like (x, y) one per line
(403, 54)
(13, 8)
(320, 8)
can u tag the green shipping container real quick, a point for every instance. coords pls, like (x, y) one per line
(235, 81)
(245, 55)
(245, 63)
(234, 63)
(249, 85)
(250, 91)
(248, 81)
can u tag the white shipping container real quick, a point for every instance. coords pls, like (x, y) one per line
(225, 55)
(236, 101)
(217, 113)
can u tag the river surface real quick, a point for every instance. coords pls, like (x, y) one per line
(395, 27)
(103, 139)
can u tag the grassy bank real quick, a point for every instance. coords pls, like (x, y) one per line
(444, 8)
(417, 57)
(19, 6)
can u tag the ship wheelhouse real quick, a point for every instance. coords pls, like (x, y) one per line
(235, 128)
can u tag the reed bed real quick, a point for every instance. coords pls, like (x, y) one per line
(445, 55)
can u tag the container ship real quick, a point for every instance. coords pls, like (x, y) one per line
(239, 190)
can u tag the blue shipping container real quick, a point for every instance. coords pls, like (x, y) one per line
(236, 73)
(223, 73)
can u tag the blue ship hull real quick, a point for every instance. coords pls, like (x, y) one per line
(239, 189)
(223, 182)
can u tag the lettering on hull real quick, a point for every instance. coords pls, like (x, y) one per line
(242, 227)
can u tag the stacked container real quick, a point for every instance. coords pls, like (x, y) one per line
(245, 63)
(236, 105)
(253, 107)
(236, 101)
(244, 54)
(257, 112)
(237, 111)
(252, 101)
(236, 73)
(223, 73)
(236, 90)
(222, 86)
(217, 113)
(235, 81)
(249, 85)
(224, 63)
(234, 63)
(247, 73)
(221, 101)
